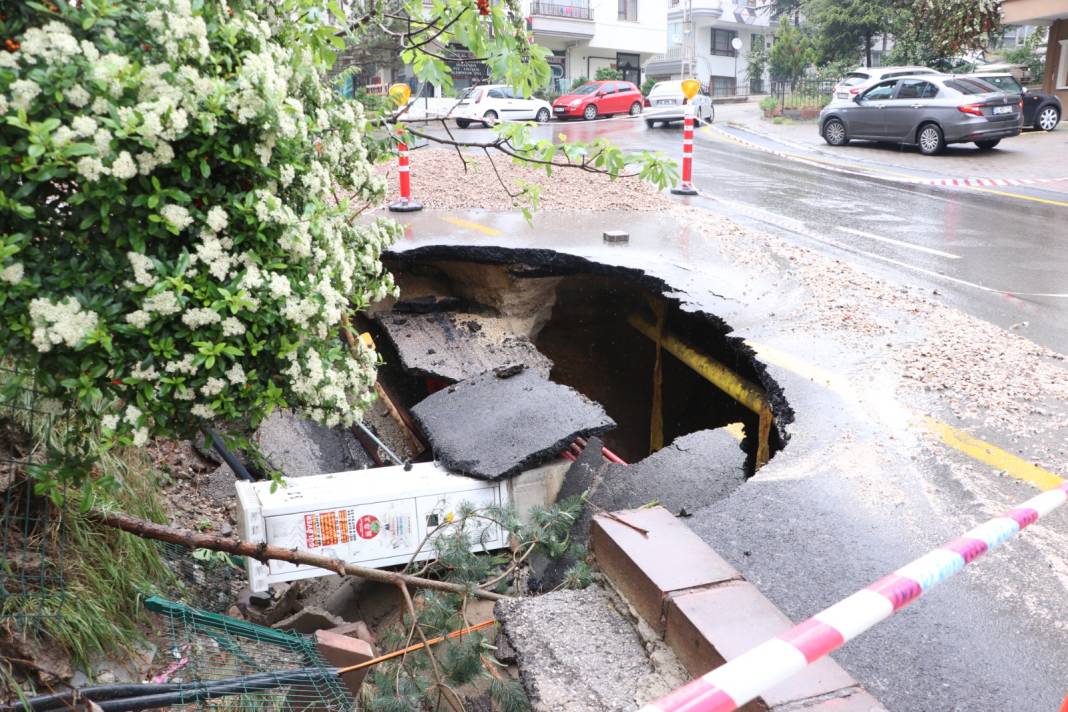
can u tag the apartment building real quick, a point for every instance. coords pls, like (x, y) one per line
(586, 35)
(701, 38)
(1055, 14)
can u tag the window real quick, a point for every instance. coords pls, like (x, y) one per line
(880, 92)
(1061, 80)
(628, 10)
(722, 86)
(1006, 83)
(970, 86)
(721, 41)
(916, 89)
(497, 93)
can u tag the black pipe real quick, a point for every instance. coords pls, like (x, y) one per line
(114, 697)
(228, 457)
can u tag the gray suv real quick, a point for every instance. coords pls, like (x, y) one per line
(928, 111)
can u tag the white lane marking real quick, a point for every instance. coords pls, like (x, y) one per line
(899, 243)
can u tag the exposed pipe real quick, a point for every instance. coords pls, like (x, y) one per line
(374, 438)
(228, 457)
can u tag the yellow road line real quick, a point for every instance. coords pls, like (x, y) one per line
(470, 225)
(992, 455)
(973, 447)
(881, 171)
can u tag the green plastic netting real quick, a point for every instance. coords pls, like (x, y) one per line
(257, 668)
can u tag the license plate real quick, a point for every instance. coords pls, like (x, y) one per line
(665, 101)
(558, 108)
(1003, 109)
(842, 95)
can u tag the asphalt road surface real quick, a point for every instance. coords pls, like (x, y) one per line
(996, 257)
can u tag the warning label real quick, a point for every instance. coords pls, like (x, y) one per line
(367, 527)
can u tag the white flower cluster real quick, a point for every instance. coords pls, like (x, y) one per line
(176, 216)
(142, 268)
(63, 322)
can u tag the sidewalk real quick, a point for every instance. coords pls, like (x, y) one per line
(1032, 155)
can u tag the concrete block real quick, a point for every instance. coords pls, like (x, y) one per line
(342, 651)
(309, 620)
(709, 627)
(357, 629)
(648, 568)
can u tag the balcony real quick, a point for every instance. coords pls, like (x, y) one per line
(700, 9)
(665, 64)
(571, 19)
(569, 10)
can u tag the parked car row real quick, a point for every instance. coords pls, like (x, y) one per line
(919, 106)
(488, 104)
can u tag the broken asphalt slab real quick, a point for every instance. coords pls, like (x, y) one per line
(577, 652)
(457, 346)
(501, 423)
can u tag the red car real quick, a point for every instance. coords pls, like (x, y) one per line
(603, 98)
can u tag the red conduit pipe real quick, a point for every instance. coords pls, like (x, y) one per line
(580, 444)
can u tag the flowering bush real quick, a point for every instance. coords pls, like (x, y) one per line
(171, 245)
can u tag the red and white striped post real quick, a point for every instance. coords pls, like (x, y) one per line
(405, 204)
(401, 93)
(690, 87)
(753, 673)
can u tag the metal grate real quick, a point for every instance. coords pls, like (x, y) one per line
(31, 582)
(264, 669)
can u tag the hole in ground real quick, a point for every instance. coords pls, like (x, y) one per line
(579, 314)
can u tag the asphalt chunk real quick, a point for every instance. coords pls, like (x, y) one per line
(494, 426)
(455, 346)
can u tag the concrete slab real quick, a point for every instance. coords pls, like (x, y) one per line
(456, 346)
(501, 423)
(298, 447)
(576, 652)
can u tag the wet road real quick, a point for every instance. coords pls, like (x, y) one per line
(996, 257)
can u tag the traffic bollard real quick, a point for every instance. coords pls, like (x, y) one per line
(405, 204)
(690, 88)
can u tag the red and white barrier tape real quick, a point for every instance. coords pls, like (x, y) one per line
(732, 685)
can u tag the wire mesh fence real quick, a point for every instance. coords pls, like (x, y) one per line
(229, 664)
(31, 579)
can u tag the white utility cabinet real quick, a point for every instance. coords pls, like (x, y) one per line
(375, 517)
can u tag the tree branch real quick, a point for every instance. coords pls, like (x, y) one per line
(265, 552)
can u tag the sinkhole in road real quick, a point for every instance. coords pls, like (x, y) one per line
(588, 325)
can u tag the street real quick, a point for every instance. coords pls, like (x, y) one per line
(891, 316)
(997, 257)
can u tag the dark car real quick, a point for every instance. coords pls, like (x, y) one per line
(927, 111)
(1041, 111)
(599, 98)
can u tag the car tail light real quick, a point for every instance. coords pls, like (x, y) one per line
(854, 91)
(973, 109)
(1020, 104)
(646, 102)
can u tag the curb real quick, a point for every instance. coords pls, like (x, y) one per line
(706, 611)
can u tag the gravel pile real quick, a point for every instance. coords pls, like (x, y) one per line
(440, 181)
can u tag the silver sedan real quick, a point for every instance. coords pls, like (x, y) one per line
(926, 111)
(666, 102)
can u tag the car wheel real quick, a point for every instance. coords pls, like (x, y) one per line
(1048, 118)
(650, 123)
(542, 116)
(463, 123)
(987, 145)
(589, 113)
(635, 108)
(930, 139)
(834, 132)
(489, 118)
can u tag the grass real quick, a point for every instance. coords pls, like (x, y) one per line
(105, 572)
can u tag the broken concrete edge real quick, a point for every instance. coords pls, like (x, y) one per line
(540, 262)
(705, 610)
(343, 651)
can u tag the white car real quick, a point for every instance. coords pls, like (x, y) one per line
(490, 103)
(863, 77)
(666, 102)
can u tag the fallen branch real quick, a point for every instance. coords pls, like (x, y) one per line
(264, 552)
